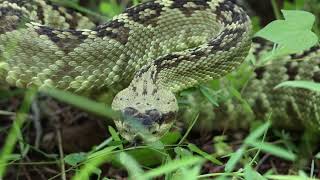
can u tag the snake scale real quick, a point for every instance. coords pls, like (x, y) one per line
(155, 49)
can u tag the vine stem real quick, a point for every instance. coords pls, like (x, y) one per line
(276, 9)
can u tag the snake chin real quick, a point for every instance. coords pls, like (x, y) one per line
(133, 131)
(144, 116)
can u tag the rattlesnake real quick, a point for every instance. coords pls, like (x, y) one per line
(156, 49)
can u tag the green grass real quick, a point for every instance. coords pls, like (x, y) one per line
(174, 157)
(14, 133)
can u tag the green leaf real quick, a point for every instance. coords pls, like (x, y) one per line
(234, 159)
(245, 104)
(171, 166)
(275, 150)
(186, 173)
(104, 152)
(300, 84)
(135, 2)
(251, 174)
(13, 157)
(93, 162)
(171, 137)
(297, 4)
(103, 144)
(211, 158)
(210, 94)
(75, 5)
(253, 136)
(156, 145)
(115, 136)
(147, 156)
(293, 35)
(130, 164)
(110, 8)
(14, 133)
(256, 23)
(181, 152)
(75, 158)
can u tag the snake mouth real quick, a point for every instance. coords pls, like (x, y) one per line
(146, 119)
(150, 125)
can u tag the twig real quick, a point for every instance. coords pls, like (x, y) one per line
(37, 123)
(262, 160)
(63, 169)
(7, 113)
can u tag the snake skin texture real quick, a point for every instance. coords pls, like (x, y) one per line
(164, 46)
(156, 49)
(290, 108)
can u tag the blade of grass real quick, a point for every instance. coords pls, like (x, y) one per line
(73, 5)
(257, 133)
(115, 136)
(93, 163)
(210, 94)
(275, 150)
(81, 102)
(15, 131)
(171, 166)
(269, 177)
(189, 129)
(210, 157)
(130, 164)
(234, 159)
(300, 84)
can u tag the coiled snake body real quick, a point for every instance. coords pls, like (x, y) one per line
(160, 47)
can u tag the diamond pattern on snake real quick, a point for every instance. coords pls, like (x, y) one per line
(155, 49)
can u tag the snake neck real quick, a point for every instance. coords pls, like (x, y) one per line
(144, 82)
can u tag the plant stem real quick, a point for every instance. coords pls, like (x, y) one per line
(276, 9)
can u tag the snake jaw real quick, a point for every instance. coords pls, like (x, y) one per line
(133, 134)
(148, 126)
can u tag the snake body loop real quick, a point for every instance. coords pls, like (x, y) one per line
(161, 47)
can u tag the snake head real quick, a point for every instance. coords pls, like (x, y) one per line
(146, 114)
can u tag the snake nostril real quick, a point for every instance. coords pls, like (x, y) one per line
(130, 111)
(152, 112)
